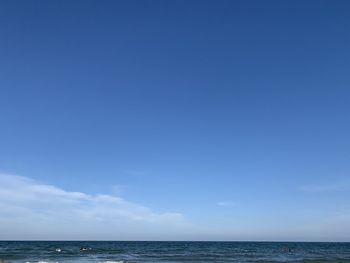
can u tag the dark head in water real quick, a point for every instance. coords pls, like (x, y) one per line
(287, 250)
(85, 248)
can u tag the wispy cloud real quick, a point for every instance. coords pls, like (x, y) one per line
(226, 203)
(136, 173)
(335, 186)
(32, 209)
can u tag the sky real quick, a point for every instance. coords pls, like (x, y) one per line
(175, 120)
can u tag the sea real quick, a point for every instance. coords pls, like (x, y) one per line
(144, 251)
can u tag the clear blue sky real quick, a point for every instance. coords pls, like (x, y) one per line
(228, 119)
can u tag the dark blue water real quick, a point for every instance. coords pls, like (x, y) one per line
(112, 252)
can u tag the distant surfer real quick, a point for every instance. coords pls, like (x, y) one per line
(85, 248)
(287, 249)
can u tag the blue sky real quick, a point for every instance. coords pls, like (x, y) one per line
(175, 120)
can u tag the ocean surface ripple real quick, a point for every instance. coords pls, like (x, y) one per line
(167, 252)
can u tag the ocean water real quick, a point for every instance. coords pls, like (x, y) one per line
(123, 251)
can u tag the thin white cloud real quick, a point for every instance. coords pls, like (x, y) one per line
(33, 210)
(336, 186)
(136, 173)
(226, 203)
